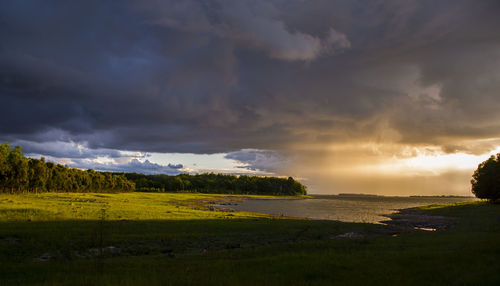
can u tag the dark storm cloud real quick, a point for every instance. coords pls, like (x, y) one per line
(175, 166)
(69, 150)
(258, 160)
(220, 76)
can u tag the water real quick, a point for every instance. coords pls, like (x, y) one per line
(348, 208)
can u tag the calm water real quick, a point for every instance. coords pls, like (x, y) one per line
(344, 208)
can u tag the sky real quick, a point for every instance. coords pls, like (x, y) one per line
(365, 96)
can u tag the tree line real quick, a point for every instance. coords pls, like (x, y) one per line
(21, 174)
(218, 184)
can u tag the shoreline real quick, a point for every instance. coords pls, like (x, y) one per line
(403, 214)
(412, 219)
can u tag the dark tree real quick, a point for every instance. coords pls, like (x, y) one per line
(486, 179)
(217, 184)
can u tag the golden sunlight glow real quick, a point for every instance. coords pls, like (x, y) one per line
(398, 160)
(429, 164)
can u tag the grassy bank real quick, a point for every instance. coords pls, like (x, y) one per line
(173, 239)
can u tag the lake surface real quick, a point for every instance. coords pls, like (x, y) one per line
(369, 209)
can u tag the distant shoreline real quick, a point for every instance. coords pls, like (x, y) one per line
(388, 196)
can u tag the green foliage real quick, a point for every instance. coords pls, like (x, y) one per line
(217, 184)
(17, 177)
(20, 174)
(486, 179)
(38, 174)
(4, 165)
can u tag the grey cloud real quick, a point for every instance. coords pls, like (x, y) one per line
(221, 76)
(477, 147)
(175, 166)
(249, 24)
(134, 166)
(258, 160)
(71, 150)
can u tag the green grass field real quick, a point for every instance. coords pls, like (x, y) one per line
(173, 239)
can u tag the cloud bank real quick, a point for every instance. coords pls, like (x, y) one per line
(134, 166)
(297, 78)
